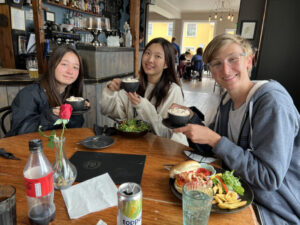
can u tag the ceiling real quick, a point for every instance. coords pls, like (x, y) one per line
(173, 9)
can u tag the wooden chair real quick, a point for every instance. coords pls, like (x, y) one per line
(5, 111)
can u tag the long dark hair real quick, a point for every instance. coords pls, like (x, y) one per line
(200, 51)
(161, 89)
(49, 83)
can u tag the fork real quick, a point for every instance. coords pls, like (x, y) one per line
(168, 166)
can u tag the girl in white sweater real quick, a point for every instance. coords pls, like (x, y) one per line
(159, 88)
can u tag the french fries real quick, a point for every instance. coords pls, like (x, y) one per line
(226, 201)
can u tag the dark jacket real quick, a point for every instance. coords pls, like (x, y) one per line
(267, 155)
(197, 63)
(30, 109)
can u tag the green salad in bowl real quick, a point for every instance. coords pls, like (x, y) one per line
(133, 127)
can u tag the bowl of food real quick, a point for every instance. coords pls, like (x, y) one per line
(178, 116)
(78, 103)
(132, 128)
(130, 84)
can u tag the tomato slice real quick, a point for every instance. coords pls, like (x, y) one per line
(180, 182)
(206, 172)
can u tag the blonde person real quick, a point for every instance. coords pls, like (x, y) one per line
(159, 88)
(255, 131)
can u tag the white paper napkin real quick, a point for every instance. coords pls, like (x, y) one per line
(198, 157)
(90, 196)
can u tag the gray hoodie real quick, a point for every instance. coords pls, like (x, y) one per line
(267, 155)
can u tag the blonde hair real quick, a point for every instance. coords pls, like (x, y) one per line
(220, 41)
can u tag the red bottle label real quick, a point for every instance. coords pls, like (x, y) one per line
(39, 187)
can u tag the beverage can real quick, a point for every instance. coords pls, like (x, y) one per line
(129, 204)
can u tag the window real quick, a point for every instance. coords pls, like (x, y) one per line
(157, 28)
(204, 32)
(191, 29)
(170, 29)
(149, 29)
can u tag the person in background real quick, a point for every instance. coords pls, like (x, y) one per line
(255, 131)
(176, 46)
(185, 56)
(141, 40)
(38, 104)
(184, 63)
(159, 88)
(197, 62)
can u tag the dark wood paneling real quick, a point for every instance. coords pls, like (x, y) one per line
(6, 45)
(279, 56)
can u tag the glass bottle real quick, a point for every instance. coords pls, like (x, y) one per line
(64, 172)
(38, 176)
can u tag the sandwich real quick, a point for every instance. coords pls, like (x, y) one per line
(188, 171)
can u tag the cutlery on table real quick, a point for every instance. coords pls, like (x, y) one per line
(7, 155)
(168, 166)
(199, 158)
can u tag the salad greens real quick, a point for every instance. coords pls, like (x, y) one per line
(232, 183)
(133, 125)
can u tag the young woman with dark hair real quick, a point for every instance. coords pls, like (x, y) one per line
(159, 88)
(197, 62)
(52, 84)
(38, 104)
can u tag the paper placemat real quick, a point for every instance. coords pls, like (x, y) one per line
(121, 167)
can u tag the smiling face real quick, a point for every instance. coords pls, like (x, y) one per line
(153, 62)
(230, 67)
(67, 70)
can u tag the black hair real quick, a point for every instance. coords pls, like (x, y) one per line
(199, 51)
(168, 76)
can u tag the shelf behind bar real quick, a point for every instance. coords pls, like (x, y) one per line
(71, 8)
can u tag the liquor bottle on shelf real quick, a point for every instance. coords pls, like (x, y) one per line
(82, 5)
(93, 7)
(97, 7)
(85, 5)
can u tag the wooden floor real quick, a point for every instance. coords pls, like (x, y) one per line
(202, 95)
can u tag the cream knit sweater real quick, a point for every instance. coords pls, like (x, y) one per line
(116, 105)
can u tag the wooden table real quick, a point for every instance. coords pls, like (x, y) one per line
(160, 206)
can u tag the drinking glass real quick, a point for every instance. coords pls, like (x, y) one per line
(7, 205)
(32, 67)
(196, 203)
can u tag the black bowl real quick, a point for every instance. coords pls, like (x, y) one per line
(131, 134)
(130, 86)
(178, 121)
(77, 105)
